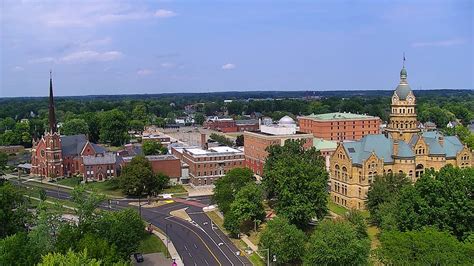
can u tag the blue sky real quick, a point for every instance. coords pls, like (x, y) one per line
(129, 47)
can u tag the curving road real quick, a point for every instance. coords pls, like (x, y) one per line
(199, 242)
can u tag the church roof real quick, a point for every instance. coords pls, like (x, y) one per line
(73, 145)
(106, 158)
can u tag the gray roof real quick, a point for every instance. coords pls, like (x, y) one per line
(246, 122)
(359, 151)
(402, 91)
(106, 158)
(73, 145)
(382, 146)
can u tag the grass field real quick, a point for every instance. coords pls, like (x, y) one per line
(256, 260)
(336, 208)
(108, 187)
(152, 244)
(175, 189)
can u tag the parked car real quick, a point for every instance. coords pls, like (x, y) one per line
(138, 257)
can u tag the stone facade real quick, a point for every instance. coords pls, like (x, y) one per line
(404, 149)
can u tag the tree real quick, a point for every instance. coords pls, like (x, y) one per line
(87, 204)
(199, 118)
(3, 160)
(246, 208)
(335, 242)
(13, 210)
(153, 148)
(385, 188)
(124, 229)
(113, 127)
(357, 220)
(137, 178)
(74, 127)
(297, 180)
(221, 139)
(137, 125)
(442, 199)
(70, 258)
(285, 241)
(15, 250)
(426, 247)
(139, 113)
(239, 141)
(229, 185)
(98, 248)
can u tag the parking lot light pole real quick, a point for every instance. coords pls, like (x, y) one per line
(268, 255)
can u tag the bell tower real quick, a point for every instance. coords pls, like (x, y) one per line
(52, 153)
(403, 120)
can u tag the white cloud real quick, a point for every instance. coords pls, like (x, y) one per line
(90, 56)
(228, 66)
(18, 68)
(163, 13)
(443, 43)
(144, 72)
(167, 65)
(41, 60)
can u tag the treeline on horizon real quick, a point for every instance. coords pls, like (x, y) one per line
(91, 115)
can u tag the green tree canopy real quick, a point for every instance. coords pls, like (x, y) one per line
(285, 241)
(13, 210)
(70, 258)
(199, 118)
(74, 127)
(153, 148)
(297, 180)
(384, 189)
(113, 127)
(229, 185)
(246, 209)
(425, 247)
(137, 178)
(336, 243)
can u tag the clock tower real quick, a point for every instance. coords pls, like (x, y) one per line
(403, 120)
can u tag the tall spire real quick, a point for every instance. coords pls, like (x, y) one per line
(52, 115)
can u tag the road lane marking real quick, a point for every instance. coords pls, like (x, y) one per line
(202, 240)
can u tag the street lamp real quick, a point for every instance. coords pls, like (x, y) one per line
(166, 232)
(268, 255)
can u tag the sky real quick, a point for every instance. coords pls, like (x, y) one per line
(137, 47)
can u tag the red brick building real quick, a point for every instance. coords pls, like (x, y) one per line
(167, 164)
(208, 165)
(339, 126)
(256, 143)
(227, 125)
(12, 149)
(56, 156)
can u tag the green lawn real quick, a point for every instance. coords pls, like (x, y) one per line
(70, 182)
(152, 244)
(256, 260)
(339, 210)
(108, 187)
(174, 189)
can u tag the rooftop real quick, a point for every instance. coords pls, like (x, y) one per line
(153, 157)
(106, 158)
(321, 144)
(212, 151)
(338, 116)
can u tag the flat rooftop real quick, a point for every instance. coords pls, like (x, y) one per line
(212, 151)
(276, 135)
(153, 157)
(338, 116)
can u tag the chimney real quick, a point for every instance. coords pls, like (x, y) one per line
(441, 140)
(203, 141)
(395, 148)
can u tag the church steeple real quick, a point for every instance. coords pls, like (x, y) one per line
(51, 116)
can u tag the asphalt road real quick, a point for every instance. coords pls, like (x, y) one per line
(198, 242)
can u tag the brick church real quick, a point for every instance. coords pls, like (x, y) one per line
(55, 156)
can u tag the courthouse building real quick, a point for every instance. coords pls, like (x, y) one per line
(403, 149)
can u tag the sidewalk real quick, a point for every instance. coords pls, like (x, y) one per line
(249, 243)
(171, 249)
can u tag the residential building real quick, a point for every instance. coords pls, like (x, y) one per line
(404, 149)
(12, 149)
(256, 142)
(339, 126)
(55, 156)
(207, 165)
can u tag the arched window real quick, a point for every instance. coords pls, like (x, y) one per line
(419, 170)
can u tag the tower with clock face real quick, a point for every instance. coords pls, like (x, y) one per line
(403, 122)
